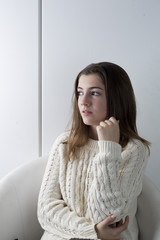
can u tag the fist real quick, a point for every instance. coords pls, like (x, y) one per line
(106, 232)
(109, 130)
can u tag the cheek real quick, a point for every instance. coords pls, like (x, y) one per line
(101, 104)
(102, 109)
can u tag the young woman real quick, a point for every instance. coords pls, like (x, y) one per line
(95, 171)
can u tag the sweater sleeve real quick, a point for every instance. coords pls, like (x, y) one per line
(117, 179)
(53, 213)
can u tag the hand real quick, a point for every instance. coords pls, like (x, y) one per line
(106, 232)
(109, 130)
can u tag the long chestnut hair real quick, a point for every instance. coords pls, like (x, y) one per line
(121, 104)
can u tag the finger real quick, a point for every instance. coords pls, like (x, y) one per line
(113, 120)
(126, 220)
(102, 124)
(108, 220)
(108, 122)
(123, 226)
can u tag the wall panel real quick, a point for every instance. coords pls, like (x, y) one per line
(18, 83)
(76, 33)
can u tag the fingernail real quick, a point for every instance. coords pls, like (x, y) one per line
(113, 216)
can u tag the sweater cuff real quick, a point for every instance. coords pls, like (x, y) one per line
(91, 232)
(109, 147)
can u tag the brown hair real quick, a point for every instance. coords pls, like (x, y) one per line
(121, 104)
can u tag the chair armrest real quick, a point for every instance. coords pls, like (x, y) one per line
(18, 201)
(148, 213)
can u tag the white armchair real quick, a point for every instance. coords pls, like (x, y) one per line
(18, 204)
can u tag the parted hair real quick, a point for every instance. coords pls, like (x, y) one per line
(121, 104)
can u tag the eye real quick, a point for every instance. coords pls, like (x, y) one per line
(79, 93)
(95, 93)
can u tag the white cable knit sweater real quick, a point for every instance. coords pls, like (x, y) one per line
(103, 180)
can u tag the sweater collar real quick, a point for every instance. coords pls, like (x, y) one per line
(92, 144)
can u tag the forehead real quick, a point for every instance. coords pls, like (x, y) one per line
(90, 80)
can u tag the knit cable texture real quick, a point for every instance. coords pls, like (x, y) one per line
(103, 180)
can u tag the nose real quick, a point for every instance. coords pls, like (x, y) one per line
(85, 100)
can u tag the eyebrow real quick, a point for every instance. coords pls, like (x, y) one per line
(92, 88)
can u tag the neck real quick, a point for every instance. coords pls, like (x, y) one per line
(93, 133)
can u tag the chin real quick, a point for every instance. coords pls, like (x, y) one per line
(91, 123)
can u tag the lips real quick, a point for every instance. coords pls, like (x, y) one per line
(86, 113)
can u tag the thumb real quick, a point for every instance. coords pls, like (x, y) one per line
(110, 219)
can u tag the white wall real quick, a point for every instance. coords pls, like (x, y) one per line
(18, 83)
(76, 33)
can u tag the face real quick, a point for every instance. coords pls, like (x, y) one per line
(92, 99)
